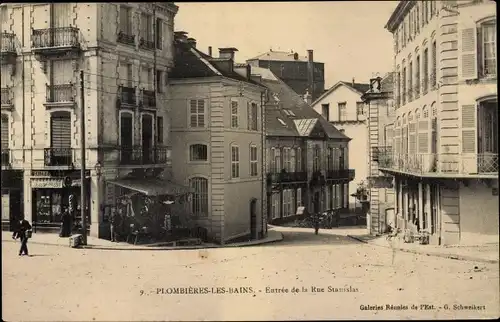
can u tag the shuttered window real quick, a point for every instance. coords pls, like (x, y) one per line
(5, 132)
(468, 53)
(125, 25)
(197, 113)
(62, 14)
(489, 49)
(468, 129)
(60, 132)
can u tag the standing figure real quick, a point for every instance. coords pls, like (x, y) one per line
(22, 233)
(112, 224)
(316, 219)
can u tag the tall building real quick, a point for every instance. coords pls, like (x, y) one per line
(218, 140)
(381, 114)
(342, 106)
(301, 73)
(125, 53)
(308, 158)
(445, 150)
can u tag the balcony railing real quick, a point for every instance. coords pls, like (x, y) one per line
(146, 44)
(63, 93)
(442, 164)
(125, 38)
(5, 157)
(317, 178)
(140, 155)
(58, 156)
(60, 37)
(340, 174)
(7, 96)
(8, 43)
(380, 150)
(285, 177)
(127, 95)
(149, 99)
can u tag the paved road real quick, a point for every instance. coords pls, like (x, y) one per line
(65, 284)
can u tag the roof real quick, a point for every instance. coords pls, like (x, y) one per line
(264, 72)
(361, 88)
(279, 56)
(291, 115)
(192, 63)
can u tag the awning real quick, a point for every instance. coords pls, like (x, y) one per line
(152, 187)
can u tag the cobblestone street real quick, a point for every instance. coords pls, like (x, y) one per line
(59, 283)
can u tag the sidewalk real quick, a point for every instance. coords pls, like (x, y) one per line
(103, 244)
(486, 253)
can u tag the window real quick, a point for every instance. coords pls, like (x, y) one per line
(410, 81)
(253, 161)
(159, 129)
(159, 33)
(287, 162)
(146, 26)
(417, 76)
(292, 160)
(425, 70)
(5, 133)
(125, 25)
(325, 111)
(234, 114)
(277, 160)
(329, 158)
(316, 159)
(331, 197)
(60, 138)
(360, 106)
(489, 48)
(198, 152)
(342, 111)
(434, 64)
(126, 130)
(275, 206)
(197, 113)
(417, 16)
(199, 201)
(299, 159)
(288, 203)
(252, 117)
(159, 81)
(235, 162)
(403, 83)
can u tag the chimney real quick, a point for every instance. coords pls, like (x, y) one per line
(180, 36)
(310, 72)
(210, 51)
(227, 52)
(191, 41)
(353, 81)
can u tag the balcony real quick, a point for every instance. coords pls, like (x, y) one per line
(8, 51)
(58, 157)
(127, 97)
(146, 44)
(483, 165)
(7, 99)
(148, 99)
(140, 155)
(56, 41)
(380, 150)
(5, 157)
(287, 177)
(126, 39)
(340, 174)
(61, 95)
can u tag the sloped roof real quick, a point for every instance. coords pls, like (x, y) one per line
(279, 56)
(305, 126)
(361, 88)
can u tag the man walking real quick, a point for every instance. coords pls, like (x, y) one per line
(23, 232)
(112, 224)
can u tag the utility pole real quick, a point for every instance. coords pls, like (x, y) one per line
(83, 201)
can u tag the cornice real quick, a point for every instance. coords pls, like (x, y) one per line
(399, 14)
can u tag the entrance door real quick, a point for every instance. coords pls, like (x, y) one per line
(147, 138)
(126, 137)
(253, 218)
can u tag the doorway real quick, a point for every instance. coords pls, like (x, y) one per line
(253, 218)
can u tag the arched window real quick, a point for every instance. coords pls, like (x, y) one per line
(299, 159)
(434, 110)
(404, 119)
(5, 134)
(425, 112)
(417, 114)
(198, 152)
(398, 121)
(410, 117)
(199, 201)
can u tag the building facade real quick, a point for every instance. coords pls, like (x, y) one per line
(301, 73)
(342, 106)
(381, 114)
(125, 53)
(218, 139)
(445, 157)
(308, 159)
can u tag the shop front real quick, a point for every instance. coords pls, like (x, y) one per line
(12, 196)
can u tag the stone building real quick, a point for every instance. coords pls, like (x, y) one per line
(125, 53)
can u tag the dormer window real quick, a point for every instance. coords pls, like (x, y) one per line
(281, 121)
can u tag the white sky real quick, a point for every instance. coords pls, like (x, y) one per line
(348, 36)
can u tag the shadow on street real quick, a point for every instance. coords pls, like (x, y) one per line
(302, 237)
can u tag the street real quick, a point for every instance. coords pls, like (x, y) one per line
(328, 276)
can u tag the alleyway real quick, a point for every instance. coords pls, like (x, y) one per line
(59, 283)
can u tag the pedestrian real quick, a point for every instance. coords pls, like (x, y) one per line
(23, 232)
(316, 223)
(112, 224)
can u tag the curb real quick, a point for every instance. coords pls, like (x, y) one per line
(153, 248)
(448, 256)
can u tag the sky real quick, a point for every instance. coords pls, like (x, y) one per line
(348, 36)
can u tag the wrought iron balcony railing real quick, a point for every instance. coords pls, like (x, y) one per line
(380, 150)
(317, 178)
(142, 155)
(146, 44)
(284, 177)
(58, 156)
(149, 99)
(125, 38)
(61, 93)
(127, 95)
(8, 42)
(55, 37)
(5, 157)
(444, 164)
(7, 96)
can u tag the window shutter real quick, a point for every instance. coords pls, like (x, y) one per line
(469, 142)
(5, 132)
(60, 132)
(468, 64)
(249, 116)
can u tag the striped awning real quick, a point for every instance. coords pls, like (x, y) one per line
(153, 187)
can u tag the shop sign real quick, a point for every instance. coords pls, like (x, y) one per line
(46, 183)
